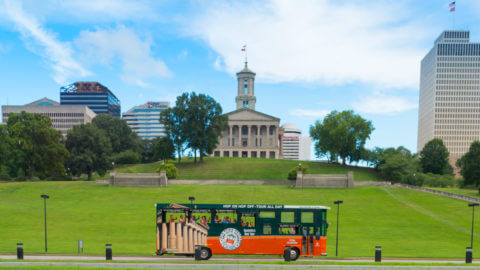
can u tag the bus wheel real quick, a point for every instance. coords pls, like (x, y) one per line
(205, 253)
(294, 254)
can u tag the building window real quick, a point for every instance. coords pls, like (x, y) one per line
(245, 87)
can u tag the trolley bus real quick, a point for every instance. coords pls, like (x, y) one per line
(241, 229)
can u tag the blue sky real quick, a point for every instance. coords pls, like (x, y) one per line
(310, 57)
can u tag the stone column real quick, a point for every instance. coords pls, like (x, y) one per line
(164, 236)
(231, 136)
(172, 237)
(268, 139)
(190, 239)
(249, 132)
(179, 237)
(185, 238)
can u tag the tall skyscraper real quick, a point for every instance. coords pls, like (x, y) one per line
(450, 93)
(92, 94)
(294, 145)
(145, 119)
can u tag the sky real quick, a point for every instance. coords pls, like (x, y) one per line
(310, 57)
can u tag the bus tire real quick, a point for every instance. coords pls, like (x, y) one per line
(205, 253)
(294, 254)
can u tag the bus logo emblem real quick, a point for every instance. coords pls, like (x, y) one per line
(230, 239)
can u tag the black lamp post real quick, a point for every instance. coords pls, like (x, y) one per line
(338, 212)
(191, 198)
(473, 219)
(45, 197)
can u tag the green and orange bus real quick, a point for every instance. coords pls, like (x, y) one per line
(241, 229)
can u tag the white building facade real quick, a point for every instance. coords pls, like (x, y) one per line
(63, 117)
(294, 145)
(449, 104)
(145, 119)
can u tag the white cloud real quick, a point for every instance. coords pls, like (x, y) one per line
(105, 45)
(383, 104)
(331, 42)
(58, 54)
(309, 113)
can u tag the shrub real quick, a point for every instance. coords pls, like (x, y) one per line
(127, 157)
(416, 179)
(4, 173)
(170, 169)
(20, 175)
(292, 174)
(436, 180)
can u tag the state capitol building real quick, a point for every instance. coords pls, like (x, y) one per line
(250, 133)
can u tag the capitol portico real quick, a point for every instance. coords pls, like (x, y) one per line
(250, 133)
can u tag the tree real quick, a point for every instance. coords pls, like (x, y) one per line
(163, 149)
(470, 165)
(434, 157)
(90, 150)
(121, 136)
(205, 123)
(340, 134)
(39, 146)
(148, 151)
(398, 167)
(175, 121)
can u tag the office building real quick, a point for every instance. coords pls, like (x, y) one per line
(92, 94)
(449, 106)
(63, 117)
(250, 133)
(145, 119)
(294, 145)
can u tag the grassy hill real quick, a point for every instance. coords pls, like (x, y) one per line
(405, 223)
(249, 169)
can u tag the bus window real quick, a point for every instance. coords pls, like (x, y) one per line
(201, 216)
(267, 214)
(226, 216)
(247, 220)
(267, 229)
(287, 217)
(175, 216)
(307, 217)
(288, 229)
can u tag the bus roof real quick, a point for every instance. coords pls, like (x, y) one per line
(242, 206)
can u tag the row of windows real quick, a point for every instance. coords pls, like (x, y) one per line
(459, 127)
(456, 116)
(144, 123)
(458, 49)
(457, 110)
(452, 99)
(458, 70)
(458, 64)
(150, 110)
(457, 76)
(457, 82)
(459, 121)
(149, 128)
(457, 87)
(56, 114)
(458, 93)
(457, 105)
(457, 59)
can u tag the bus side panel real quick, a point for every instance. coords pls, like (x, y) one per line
(268, 245)
(323, 246)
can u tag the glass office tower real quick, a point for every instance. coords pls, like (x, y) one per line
(92, 94)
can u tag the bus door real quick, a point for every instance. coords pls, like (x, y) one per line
(307, 240)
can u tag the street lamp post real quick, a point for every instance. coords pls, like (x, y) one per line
(45, 197)
(473, 219)
(191, 198)
(338, 212)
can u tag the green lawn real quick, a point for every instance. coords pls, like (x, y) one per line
(461, 191)
(405, 223)
(249, 169)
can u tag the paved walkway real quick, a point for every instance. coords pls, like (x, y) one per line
(225, 266)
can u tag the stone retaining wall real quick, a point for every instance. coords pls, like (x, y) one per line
(324, 180)
(441, 193)
(138, 179)
(233, 182)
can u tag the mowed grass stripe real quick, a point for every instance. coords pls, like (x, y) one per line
(249, 169)
(405, 223)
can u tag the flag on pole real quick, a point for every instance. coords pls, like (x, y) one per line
(452, 6)
(244, 48)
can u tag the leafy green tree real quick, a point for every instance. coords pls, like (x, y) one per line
(205, 123)
(121, 136)
(398, 167)
(341, 134)
(148, 151)
(164, 149)
(434, 157)
(470, 165)
(39, 145)
(127, 157)
(175, 121)
(90, 150)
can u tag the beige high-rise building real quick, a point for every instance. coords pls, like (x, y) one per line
(450, 93)
(250, 133)
(63, 117)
